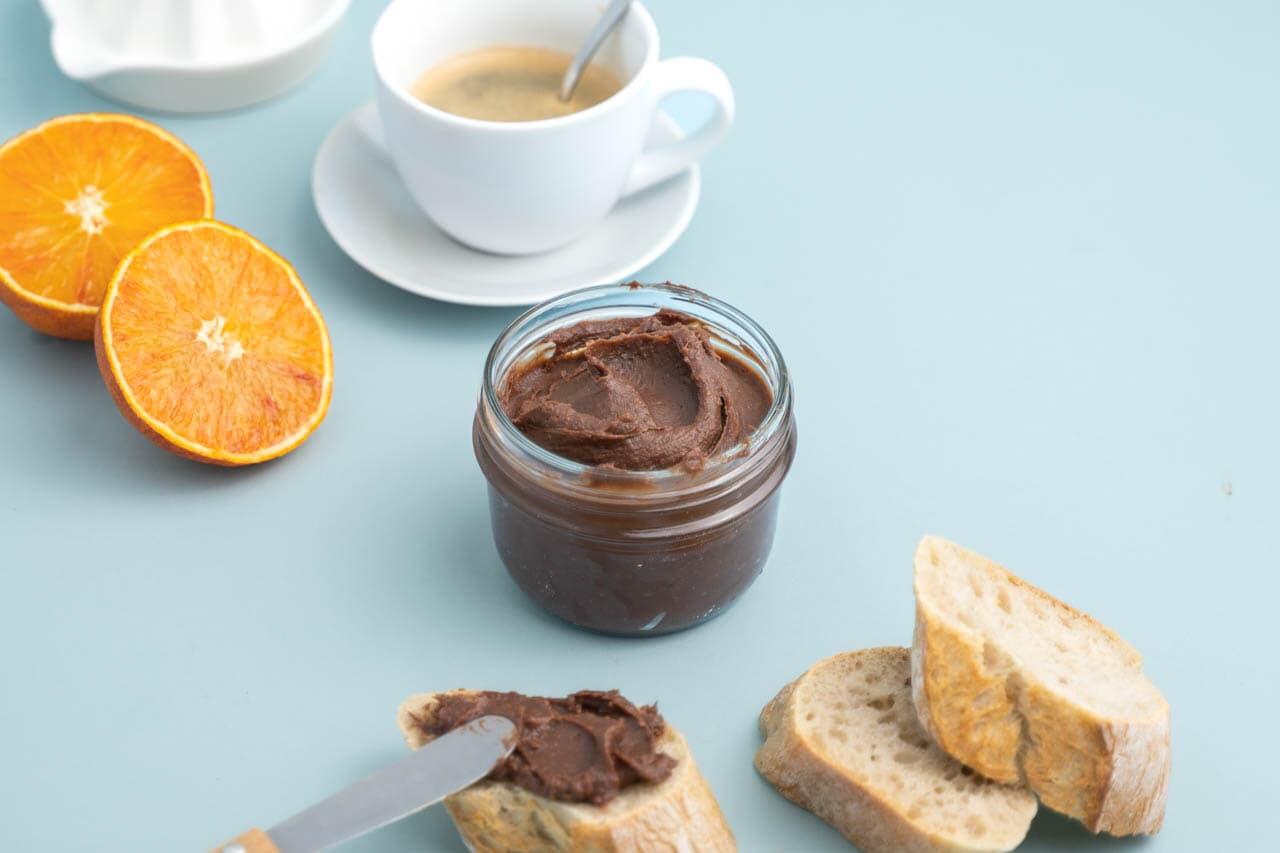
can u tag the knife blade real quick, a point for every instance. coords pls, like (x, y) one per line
(437, 769)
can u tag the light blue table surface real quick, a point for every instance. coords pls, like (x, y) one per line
(1024, 264)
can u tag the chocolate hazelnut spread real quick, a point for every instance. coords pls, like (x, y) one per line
(636, 393)
(680, 408)
(584, 748)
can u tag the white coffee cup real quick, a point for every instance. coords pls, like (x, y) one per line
(524, 187)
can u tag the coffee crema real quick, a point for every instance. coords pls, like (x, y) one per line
(511, 83)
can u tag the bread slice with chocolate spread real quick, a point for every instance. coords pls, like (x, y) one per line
(1024, 688)
(677, 813)
(843, 741)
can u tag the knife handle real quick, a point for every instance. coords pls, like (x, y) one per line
(253, 841)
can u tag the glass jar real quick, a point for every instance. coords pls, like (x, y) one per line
(626, 552)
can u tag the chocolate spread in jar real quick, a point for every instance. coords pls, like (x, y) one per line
(637, 393)
(584, 748)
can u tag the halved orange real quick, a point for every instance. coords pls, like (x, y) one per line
(212, 347)
(76, 194)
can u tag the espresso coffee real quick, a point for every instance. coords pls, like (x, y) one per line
(511, 83)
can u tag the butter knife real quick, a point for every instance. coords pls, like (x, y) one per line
(442, 767)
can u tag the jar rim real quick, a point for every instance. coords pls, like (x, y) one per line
(536, 323)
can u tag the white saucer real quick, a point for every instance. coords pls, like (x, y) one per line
(373, 219)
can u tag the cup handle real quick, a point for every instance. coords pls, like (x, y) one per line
(683, 74)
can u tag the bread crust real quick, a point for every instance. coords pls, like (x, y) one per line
(803, 773)
(679, 815)
(1006, 722)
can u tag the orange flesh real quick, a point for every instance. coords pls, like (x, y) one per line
(78, 194)
(213, 337)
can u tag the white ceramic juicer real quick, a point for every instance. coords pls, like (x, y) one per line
(191, 55)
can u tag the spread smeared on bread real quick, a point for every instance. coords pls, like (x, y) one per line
(584, 748)
(677, 813)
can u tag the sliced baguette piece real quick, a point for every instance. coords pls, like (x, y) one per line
(843, 741)
(1024, 688)
(679, 815)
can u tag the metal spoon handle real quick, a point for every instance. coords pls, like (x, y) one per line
(611, 18)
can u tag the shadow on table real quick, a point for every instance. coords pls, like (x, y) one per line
(451, 560)
(455, 557)
(76, 428)
(1052, 831)
(348, 290)
(32, 78)
(90, 434)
